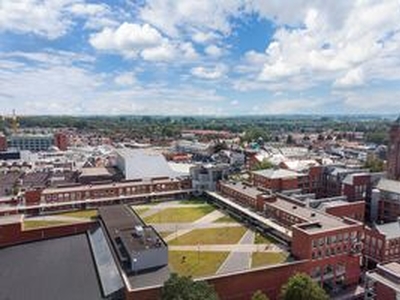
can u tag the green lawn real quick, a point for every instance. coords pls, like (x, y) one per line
(225, 219)
(263, 239)
(85, 214)
(179, 215)
(210, 236)
(196, 264)
(267, 258)
(140, 210)
(32, 224)
(165, 233)
(193, 200)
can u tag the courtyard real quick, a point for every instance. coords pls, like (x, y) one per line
(205, 241)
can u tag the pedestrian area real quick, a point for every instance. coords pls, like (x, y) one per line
(204, 241)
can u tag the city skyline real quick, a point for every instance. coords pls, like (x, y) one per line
(199, 58)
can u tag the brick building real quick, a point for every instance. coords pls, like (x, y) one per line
(61, 141)
(3, 142)
(382, 243)
(277, 179)
(388, 198)
(383, 283)
(393, 164)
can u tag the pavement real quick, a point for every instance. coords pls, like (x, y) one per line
(58, 218)
(206, 220)
(238, 259)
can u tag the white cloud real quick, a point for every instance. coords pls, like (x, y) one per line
(127, 38)
(209, 73)
(204, 37)
(213, 51)
(125, 79)
(44, 18)
(63, 87)
(164, 52)
(174, 16)
(292, 106)
(342, 43)
(352, 78)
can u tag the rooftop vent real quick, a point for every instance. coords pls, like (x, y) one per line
(294, 207)
(312, 214)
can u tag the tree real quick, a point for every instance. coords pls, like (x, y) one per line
(264, 164)
(184, 288)
(374, 164)
(259, 296)
(289, 139)
(301, 287)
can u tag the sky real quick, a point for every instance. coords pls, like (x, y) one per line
(192, 57)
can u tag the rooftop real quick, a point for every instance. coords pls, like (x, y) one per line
(60, 268)
(277, 173)
(243, 189)
(12, 219)
(98, 171)
(389, 185)
(390, 230)
(325, 221)
(124, 224)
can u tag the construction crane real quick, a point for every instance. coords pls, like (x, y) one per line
(13, 120)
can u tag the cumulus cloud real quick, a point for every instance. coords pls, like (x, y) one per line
(216, 72)
(213, 51)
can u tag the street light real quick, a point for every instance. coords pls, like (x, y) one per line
(134, 265)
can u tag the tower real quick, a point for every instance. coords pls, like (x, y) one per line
(393, 164)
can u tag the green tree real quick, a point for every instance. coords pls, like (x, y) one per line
(184, 288)
(374, 165)
(301, 287)
(264, 164)
(259, 296)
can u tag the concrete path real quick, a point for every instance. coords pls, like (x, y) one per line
(227, 248)
(207, 219)
(191, 226)
(240, 260)
(58, 218)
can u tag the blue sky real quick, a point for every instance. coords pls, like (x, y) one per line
(209, 57)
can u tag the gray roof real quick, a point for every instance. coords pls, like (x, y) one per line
(390, 230)
(389, 185)
(59, 268)
(145, 164)
(277, 173)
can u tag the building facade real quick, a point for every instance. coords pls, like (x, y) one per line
(393, 164)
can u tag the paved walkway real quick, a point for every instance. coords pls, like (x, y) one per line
(191, 226)
(154, 209)
(239, 260)
(247, 248)
(207, 219)
(58, 218)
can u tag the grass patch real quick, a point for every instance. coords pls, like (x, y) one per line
(210, 236)
(179, 215)
(225, 219)
(264, 239)
(32, 224)
(165, 233)
(267, 258)
(85, 214)
(196, 264)
(140, 211)
(193, 200)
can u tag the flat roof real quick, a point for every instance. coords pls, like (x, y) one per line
(389, 185)
(390, 230)
(243, 189)
(122, 222)
(96, 171)
(60, 268)
(88, 187)
(277, 173)
(12, 219)
(326, 221)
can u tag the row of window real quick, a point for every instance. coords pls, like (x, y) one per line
(337, 238)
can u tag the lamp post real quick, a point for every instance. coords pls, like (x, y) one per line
(134, 265)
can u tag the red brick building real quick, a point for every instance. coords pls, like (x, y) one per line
(389, 200)
(277, 179)
(3, 142)
(61, 141)
(383, 283)
(393, 164)
(382, 243)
